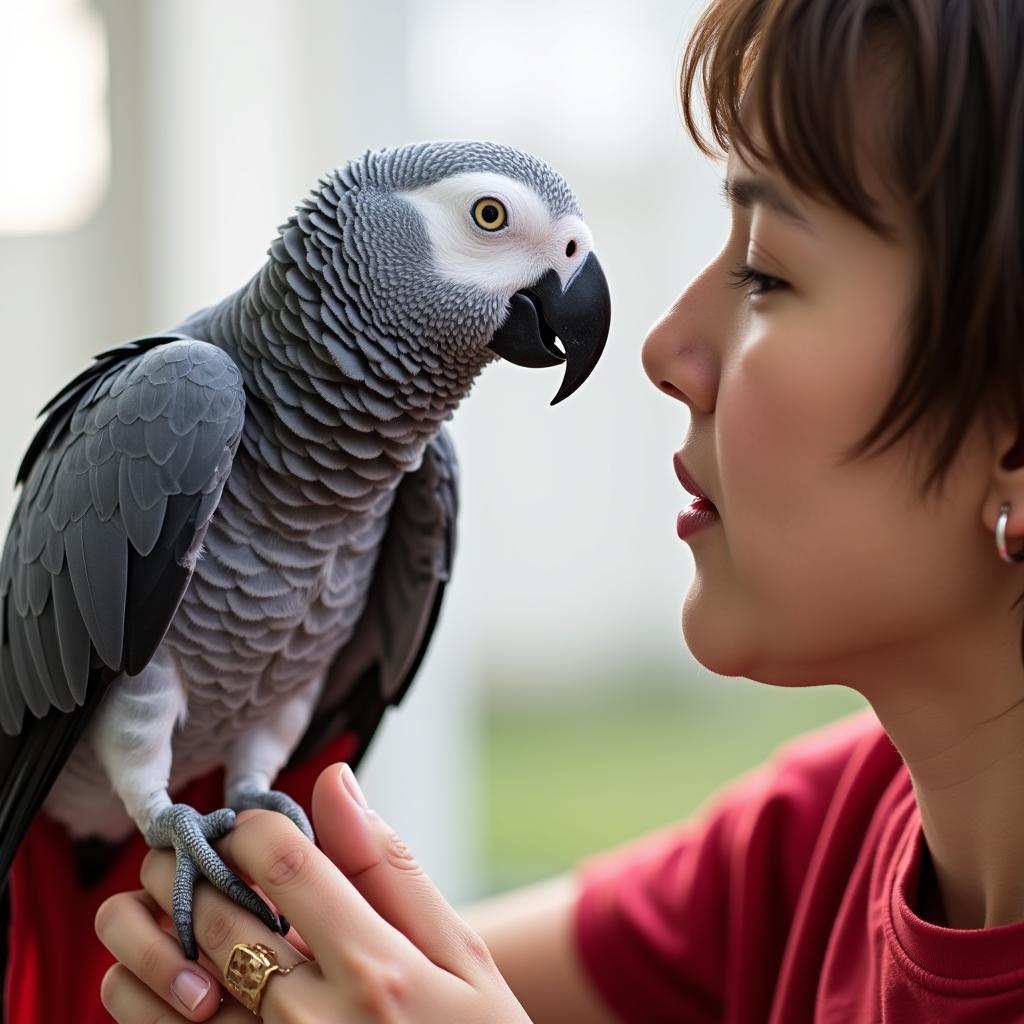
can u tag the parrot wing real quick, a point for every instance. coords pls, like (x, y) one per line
(120, 484)
(376, 667)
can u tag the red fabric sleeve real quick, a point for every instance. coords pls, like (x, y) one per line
(669, 923)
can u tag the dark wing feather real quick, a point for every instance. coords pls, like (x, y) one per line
(374, 670)
(120, 484)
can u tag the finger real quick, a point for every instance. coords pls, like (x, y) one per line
(309, 890)
(129, 1001)
(221, 924)
(388, 876)
(127, 924)
(167, 926)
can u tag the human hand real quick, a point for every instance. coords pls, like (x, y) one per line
(384, 943)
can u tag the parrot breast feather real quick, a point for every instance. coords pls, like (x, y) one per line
(374, 670)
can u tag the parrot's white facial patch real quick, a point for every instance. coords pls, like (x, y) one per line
(503, 261)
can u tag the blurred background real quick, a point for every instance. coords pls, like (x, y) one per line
(148, 151)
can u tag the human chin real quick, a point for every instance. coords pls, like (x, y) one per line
(732, 637)
(714, 630)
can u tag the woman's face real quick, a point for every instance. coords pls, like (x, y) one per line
(816, 568)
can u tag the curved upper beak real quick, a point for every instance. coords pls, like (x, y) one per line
(579, 315)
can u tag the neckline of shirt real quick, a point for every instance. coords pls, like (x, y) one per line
(987, 960)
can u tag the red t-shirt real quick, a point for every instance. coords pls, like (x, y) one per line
(56, 963)
(790, 898)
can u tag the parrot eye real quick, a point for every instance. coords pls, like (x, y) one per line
(490, 214)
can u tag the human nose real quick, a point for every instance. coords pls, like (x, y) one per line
(679, 353)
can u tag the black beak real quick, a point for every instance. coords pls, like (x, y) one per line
(579, 316)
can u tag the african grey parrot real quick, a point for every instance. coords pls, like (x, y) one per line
(232, 539)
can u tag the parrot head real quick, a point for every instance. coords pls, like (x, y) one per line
(476, 249)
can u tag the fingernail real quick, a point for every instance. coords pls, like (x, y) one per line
(349, 781)
(189, 988)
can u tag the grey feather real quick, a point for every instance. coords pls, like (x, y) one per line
(103, 488)
(98, 563)
(12, 704)
(31, 687)
(72, 635)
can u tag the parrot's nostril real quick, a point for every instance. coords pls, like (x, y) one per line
(570, 248)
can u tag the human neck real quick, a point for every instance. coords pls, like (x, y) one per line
(963, 743)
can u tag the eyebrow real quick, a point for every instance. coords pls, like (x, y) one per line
(749, 192)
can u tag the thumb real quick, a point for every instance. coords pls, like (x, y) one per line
(381, 867)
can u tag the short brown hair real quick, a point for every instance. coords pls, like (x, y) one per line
(952, 135)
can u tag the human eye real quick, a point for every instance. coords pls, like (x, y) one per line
(744, 276)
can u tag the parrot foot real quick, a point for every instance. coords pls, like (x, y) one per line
(190, 833)
(272, 800)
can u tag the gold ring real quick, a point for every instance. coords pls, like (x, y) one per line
(248, 969)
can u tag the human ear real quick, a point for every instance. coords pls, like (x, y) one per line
(1007, 486)
(1014, 458)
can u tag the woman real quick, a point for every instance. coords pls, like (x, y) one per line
(853, 365)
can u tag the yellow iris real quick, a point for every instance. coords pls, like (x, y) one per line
(489, 213)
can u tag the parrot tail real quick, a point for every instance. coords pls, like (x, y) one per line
(31, 761)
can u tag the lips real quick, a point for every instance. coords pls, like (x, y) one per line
(686, 480)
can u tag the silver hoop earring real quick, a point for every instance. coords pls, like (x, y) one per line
(1004, 515)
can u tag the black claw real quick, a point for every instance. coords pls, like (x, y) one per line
(283, 926)
(240, 893)
(268, 917)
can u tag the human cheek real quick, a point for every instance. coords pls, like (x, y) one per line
(770, 436)
(799, 520)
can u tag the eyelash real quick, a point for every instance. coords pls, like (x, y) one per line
(744, 275)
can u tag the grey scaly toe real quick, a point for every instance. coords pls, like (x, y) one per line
(190, 834)
(272, 800)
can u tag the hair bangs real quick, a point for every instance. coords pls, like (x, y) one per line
(927, 100)
(796, 70)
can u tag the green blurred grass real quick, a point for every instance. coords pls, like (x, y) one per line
(575, 777)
